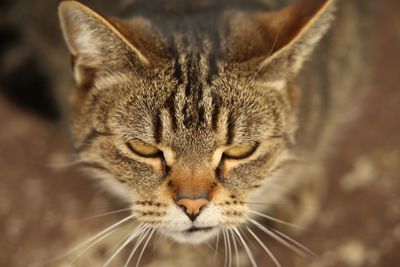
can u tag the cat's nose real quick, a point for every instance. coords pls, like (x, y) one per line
(192, 207)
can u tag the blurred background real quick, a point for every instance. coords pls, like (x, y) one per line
(45, 202)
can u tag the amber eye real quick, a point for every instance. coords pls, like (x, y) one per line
(143, 149)
(240, 152)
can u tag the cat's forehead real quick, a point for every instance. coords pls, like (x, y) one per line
(193, 113)
(196, 97)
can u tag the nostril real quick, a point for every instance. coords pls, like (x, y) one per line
(183, 207)
(192, 207)
(192, 216)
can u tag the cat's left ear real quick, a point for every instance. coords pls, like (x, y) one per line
(280, 41)
(97, 43)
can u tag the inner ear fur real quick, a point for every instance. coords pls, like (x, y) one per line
(281, 40)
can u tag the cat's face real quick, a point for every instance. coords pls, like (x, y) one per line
(148, 140)
(187, 138)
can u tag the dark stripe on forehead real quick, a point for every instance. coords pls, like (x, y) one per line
(201, 115)
(231, 126)
(157, 127)
(170, 106)
(178, 71)
(212, 68)
(190, 76)
(193, 112)
(194, 66)
(194, 83)
(188, 118)
(216, 105)
(213, 56)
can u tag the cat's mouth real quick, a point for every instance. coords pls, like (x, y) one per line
(198, 229)
(193, 235)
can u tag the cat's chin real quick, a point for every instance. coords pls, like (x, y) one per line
(192, 236)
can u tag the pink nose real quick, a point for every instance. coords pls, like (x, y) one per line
(192, 207)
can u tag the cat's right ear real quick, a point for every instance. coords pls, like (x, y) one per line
(275, 44)
(94, 41)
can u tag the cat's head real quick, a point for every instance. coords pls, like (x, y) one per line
(188, 117)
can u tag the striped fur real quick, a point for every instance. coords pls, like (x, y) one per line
(192, 80)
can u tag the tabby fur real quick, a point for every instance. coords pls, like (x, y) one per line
(194, 78)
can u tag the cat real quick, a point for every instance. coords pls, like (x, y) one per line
(205, 89)
(190, 111)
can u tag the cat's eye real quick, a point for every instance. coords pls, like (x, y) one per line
(240, 152)
(143, 149)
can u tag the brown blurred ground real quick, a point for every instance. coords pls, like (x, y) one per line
(43, 199)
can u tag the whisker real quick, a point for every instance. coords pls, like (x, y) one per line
(269, 217)
(144, 247)
(225, 248)
(95, 237)
(236, 248)
(274, 44)
(118, 247)
(259, 203)
(114, 73)
(216, 247)
(278, 238)
(157, 239)
(109, 228)
(90, 246)
(209, 245)
(63, 164)
(131, 65)
(129, 238)
(270, 53)
(105, 214)
(295, 242)
(246, 248)
(98, 208)
(228, 240)
(137, 244)
(255, 203)
(270, 254)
